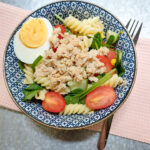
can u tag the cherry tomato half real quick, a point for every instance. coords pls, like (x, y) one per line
(106, 62)
(111, 55)
(101, 97)
(53, 102)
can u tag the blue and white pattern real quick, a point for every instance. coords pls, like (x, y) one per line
(81, 10)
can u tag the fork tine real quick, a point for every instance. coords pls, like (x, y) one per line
(134, 28)
(128, 24)
(137, 34)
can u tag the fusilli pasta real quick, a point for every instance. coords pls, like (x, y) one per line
(41, 94)
(44, 81)
(87, 27)
(76, 109)
(29, 77)
(114, 81)
(86, 43)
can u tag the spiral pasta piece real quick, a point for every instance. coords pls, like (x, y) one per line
(87, 27)
(76, 109)
(44, 81)
(41, 94)
(86, 43)
(114, 81)
(29, 77)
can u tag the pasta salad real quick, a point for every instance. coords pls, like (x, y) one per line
(73, 67)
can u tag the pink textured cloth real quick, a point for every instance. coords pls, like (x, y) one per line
(132, 120)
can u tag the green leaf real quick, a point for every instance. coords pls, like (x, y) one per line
(29, 94)
(36, 62)
(33, 86)
(97, 41)
(118, 65)
(100, 76)
(76, 91)
(111, 39)
(21, 65)
(30, 91)
(108, 45)
(71, 100)
(82, 101)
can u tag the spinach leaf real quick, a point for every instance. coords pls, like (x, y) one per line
(30, 91)
(111, 39)
(82, 101)
(118, 65)
(33, 86)
(71, 99)
(97, 41)
(100, 76)
(29, 94)
(21, 65)
(76, 91)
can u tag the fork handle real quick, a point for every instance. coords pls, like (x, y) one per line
(104, 133)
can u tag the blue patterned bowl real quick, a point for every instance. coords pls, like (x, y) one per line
(81, 10)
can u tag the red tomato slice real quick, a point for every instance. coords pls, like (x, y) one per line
(101, 97)
(54, 49)
(60, 37)
(106, 62)
(62, 27)
(111, 55)
(53, 102)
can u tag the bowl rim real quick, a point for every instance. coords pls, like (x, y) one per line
(70, 128)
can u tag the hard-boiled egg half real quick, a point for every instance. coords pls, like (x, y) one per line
(32, 39)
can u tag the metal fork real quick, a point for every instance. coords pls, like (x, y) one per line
(134, 33)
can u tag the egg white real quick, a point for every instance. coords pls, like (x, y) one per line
(28, 55)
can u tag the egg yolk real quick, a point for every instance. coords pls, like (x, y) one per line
(33, 33)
